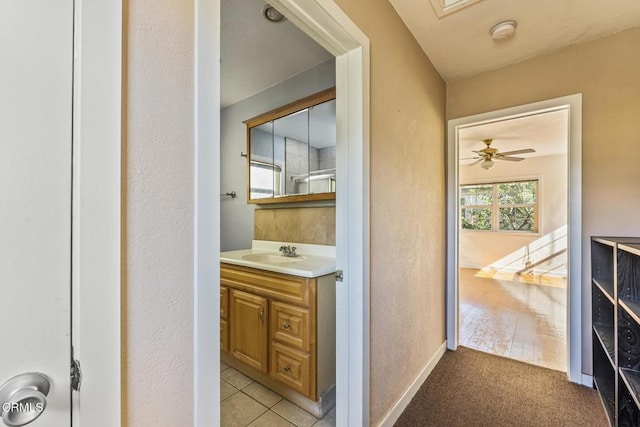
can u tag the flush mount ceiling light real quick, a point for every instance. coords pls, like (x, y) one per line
(503, 30)
(272, 14)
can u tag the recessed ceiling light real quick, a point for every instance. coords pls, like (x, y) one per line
(272, 14)
(503, 30)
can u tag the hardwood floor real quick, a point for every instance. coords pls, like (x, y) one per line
(521, 317)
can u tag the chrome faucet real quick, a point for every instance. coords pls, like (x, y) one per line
(288, 251)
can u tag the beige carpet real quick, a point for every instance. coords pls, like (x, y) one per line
(472, 388)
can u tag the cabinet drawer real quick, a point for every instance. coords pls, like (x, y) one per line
(291, 368)
(224, 336)
(224, 302)
(290, 325)
(284, 287)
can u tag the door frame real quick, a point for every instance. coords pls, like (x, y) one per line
(96, 211)
(329, 26)
(573, 103)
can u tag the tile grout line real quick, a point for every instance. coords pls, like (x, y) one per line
(267, 408)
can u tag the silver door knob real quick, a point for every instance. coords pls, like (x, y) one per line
(23, 398)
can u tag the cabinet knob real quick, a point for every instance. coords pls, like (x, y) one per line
(286, 325)
(287, 368)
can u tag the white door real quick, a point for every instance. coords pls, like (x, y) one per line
(36, 63)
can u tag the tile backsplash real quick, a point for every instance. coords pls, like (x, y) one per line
(316, 225)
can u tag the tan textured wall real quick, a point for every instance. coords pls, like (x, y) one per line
(407, 204)
(607, 73)
(158, 170)
(315, 225)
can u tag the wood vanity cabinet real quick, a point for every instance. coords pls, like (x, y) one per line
(282, 332)
(224, 319)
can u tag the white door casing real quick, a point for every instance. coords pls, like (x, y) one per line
(573, 103)
(329, 26)
(97, 146)
(36, 47)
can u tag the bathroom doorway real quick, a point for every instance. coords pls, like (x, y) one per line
(512, 274)
(269, 65)
(332, 29)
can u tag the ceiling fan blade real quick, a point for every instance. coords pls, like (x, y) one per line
(470, 158)
(511, 159)
(476, 162)
(526, 150)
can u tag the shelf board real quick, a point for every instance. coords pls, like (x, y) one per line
(606, 287)
(613, 241)
(609, 404)
(633, 248)
(632, 380)
(609, 241)
(607, 340)
(633, 308)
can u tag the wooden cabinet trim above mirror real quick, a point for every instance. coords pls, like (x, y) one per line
(291, 151)
(295, 106)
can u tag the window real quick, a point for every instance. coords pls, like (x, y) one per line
(265, 179)
(445, 7)
(500, 206)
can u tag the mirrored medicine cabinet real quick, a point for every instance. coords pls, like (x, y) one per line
(292, 151)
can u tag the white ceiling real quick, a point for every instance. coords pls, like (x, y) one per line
(459, 44)
(546, 133)
(257, 54)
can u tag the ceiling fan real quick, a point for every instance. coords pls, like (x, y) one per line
(487, 155)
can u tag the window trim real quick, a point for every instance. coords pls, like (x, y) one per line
(495, 206)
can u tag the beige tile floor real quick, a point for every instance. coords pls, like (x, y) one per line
(244, 402)
(520, 317)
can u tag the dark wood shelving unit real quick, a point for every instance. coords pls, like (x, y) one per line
(628, 414)
(607, 342)
(632, 381)
(606, 287)
(615, 309)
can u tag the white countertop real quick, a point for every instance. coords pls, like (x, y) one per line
(314, 260)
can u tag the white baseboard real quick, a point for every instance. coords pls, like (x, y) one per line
(587, 380)
(401, 404)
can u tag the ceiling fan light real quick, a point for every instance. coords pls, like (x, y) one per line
(487, 164)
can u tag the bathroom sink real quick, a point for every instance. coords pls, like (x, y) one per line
(272, 258)
(314, 261)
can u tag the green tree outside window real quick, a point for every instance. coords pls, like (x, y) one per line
(502, 206)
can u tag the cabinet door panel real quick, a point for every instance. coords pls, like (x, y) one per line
(249, 338)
